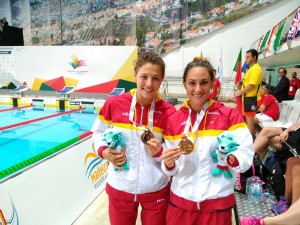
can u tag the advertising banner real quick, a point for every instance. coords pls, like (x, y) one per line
(55, 191)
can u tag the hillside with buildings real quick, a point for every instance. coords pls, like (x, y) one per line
(160, 25)
(223, 45)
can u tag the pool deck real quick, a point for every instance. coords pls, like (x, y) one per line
(97, 212)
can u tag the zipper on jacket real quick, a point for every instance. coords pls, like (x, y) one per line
(198, 203)
(196, 143)
(138, 159)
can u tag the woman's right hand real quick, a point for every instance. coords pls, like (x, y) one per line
(170, 155)
(116, 157)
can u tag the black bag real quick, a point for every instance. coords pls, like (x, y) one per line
(256, 169)
(271, 175)
(250, 104)
(276, 180)
(290, 148)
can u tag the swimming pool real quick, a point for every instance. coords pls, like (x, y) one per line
(29, 135)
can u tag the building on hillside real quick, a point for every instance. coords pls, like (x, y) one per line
(241, 33)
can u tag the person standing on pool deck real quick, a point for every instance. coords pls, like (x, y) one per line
(197, 196)
(140, 116)
(251, 88)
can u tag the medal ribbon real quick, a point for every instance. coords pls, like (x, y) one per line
(200, 116)
(151, 113)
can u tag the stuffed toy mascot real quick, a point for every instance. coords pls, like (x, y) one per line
(226, 145)
(114, 140)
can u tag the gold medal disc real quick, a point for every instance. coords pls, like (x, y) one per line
(146, 136)
(186, 146)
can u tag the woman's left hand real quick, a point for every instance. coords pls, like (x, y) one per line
(154, 146)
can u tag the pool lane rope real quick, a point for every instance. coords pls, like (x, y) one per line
(43, 155)
(15, 108)
(38, 119)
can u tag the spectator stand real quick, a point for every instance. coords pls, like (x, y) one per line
(289, 114)
(65, 92)
(116, 91)
(19, 91)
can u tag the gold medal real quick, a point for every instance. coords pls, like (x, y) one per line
(146, 136)
(186, 146)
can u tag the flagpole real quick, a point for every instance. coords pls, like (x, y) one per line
(221, 66)
(234, 71)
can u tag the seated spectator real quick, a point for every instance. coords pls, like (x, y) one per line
(275, 137)
(292, 186)
(292, 176)
(292, 197)
(269, 108)
(294, 85)
(290, 217)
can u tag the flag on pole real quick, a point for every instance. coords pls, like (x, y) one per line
(260, 41)
(278, 36)
(245, 68)
(272, 38)
(295, 26)
(238, 68)
(220, 66)
(264, 41)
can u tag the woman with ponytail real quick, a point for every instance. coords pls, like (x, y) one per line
(197, 196)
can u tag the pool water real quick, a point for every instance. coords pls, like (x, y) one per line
(24, 142)
(16, 116)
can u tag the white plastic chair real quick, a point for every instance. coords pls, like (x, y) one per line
(283, 117)
(294, 115)
(297, 95)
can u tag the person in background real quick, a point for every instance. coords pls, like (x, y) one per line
(294, 85)
(140, 116)
(198, 197)
(251, 88)
(216, 88)
(275, 137)
(238, 100)
(281, 90)
(292, 186)
(289, 215)
(292, 178)
(269, 108)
